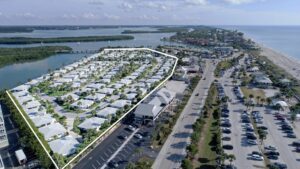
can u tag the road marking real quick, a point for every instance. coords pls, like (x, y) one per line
(120, 148)
(98, 162)
(106, 154)
(94, 166)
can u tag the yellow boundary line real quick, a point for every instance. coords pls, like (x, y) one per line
(115, 123)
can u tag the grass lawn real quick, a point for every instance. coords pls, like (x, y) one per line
(206, 156)
(255, 93)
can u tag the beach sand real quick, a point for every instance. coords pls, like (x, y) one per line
(291, 65)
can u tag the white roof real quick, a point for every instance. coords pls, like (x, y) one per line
(20, 155)
(95, 97)
(131, 96)
(165, 95)
(83, 103)
(148, 109)
(52, 130)
(42, 120)
(64, 146)
(92, 123)
(120, 103)
(107, 111)
(106, 90)
(281, 103)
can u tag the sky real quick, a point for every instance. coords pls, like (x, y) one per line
(149, 12)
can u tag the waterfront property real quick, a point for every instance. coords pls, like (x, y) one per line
(74, 105)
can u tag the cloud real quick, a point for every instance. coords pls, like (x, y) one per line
(196, 2)
(111, 17)
(237, 2)
(96, 2)
(126, 6)
(89, 16)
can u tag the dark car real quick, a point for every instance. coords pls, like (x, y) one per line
(225, 124)
(278, 165)
(272, 153)
(113, 164)
(228, 147)
(245, 121)
(296, 143)
(226, 131)
(123, 137)
(272, 157)
(251, 137)
(262, 127)
(226, 138)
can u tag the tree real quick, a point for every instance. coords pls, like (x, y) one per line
(231, 158)
(258, 99)
(262, 135)
(293, 116)
(186, 164)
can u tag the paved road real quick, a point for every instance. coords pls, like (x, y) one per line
(173, 151)
(241, 149)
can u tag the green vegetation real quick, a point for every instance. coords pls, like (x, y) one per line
(163, 130)
(159, 30)
(206, 137)
(27, 40)
(27, 137)
(226, 64)
(257, 94)
(19, 55)
(142, 163)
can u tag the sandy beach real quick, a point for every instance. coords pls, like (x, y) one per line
(289, 64)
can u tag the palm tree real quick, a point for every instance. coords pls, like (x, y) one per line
(262, 100)
(258, 99)
(231, 158)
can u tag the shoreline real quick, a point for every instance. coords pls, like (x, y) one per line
(289, 64)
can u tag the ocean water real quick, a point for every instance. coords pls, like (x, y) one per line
(284, 39)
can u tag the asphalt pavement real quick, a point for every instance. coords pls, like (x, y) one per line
(174, 149)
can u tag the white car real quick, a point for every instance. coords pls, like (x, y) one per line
(139, 136)
(257, 157)
(131, 128)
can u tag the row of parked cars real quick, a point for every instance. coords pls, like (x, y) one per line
(285, 126)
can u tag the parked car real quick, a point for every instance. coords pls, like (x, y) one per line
(296, 143)
(228, 147)
(226, 138)
(123, 137)
(272, 153)
(113, 164)
(257, 157)
(272, 157)
(226, 130)
(272, 148)
(278, 165)
(251, 142)
(139, 136)
(251, 137)
(131, 128)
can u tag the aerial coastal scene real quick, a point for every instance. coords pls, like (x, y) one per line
(185, 84)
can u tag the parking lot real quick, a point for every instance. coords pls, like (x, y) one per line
(278, 138)
(119, 148)
(238, 139)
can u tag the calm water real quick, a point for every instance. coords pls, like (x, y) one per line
(12, 75)
(285, 39)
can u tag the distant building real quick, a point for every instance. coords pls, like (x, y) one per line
(3, 135)
(262, 80)
(149, 111)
